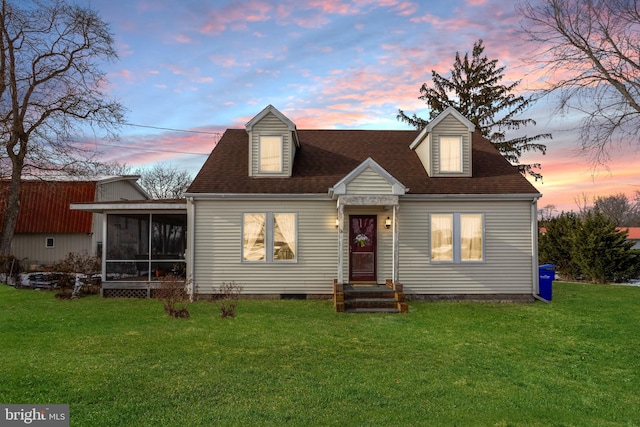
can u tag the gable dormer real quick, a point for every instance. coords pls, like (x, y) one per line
(369, 178)
(444, 145)
(273, 140)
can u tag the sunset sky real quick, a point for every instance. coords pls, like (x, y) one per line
(189, 69)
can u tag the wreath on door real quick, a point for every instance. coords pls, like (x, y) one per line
(361, 239)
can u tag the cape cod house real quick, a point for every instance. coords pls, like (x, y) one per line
(288, 212)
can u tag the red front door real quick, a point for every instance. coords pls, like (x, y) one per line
(362, 248)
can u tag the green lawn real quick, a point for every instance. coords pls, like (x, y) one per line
(120, 362)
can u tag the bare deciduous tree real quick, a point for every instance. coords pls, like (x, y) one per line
(50, 89)
(619, 209)
(546, 212)
(590, 50)
(165, 181)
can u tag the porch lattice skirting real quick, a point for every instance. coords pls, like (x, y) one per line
(387, 298)
(129, 290)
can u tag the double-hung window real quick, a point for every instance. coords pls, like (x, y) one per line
(269, 237)
(450, 154)
(457, 237)
(270, 152)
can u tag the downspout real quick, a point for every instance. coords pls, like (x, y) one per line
(191, 221)
(534, 251)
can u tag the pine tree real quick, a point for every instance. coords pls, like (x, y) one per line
(476, 91)
(555, 245)
(603, 253)
(588, 245)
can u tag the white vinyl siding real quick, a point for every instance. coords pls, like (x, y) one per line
(424, 154)
(506, 268)
(218, 246)
(370, 183)
(507, 252)
(118, 190)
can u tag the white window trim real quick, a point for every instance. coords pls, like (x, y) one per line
(457, 239)
(280, 170)
(269, 239)
(46, 242)
(461, 164)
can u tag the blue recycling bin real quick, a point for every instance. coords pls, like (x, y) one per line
(546, 274)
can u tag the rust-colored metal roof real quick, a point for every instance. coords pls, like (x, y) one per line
(634, 232)
(44, 206)
(327, 156)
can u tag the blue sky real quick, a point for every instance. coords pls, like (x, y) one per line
(204, 66)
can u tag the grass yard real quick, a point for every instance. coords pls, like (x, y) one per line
(120, 362)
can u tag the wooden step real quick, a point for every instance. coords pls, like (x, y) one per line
(371, 310)
(369, 299)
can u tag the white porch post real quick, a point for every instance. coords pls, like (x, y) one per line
(340, 242)
(396, 244)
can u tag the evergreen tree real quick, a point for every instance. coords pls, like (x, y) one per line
(588, 245)
(603, 253)
(476, 91)
(555, 245)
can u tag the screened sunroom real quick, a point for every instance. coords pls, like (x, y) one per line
(142, 242)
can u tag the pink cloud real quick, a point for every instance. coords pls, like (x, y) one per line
(313, 21)
(236, 15)
(124, 49)
(227, 61)
(160, 147)
(333, 7)
(448, 24)
(192, 74)
(127, 77)
(182, 38)
(406, 8)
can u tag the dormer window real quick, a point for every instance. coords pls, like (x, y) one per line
(270, 152)
(273, 141)
(450, 154)
(444, 146)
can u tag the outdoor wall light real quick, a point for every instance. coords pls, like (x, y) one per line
(337, 222)
(387, 223)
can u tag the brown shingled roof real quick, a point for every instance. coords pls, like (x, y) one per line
(44, 206)
(327, 156)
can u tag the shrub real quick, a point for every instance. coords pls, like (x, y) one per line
(77, 275)
(173, 293)
(226, 298)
